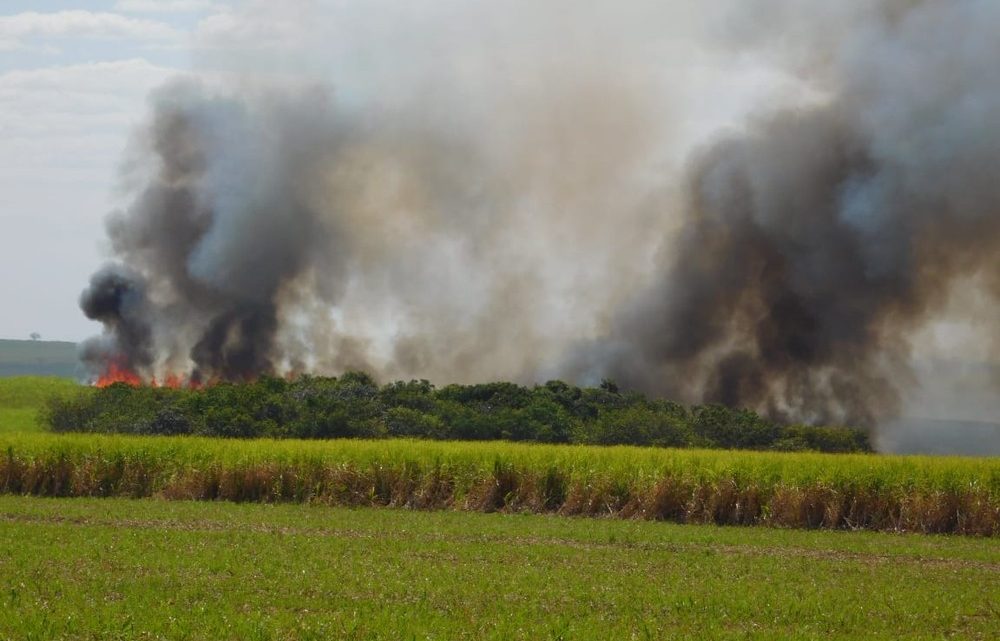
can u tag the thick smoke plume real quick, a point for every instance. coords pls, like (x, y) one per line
(530, 223)
(818, 239)
(217, 235)
(465, 228)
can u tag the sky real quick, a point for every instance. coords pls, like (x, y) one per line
(74, 78)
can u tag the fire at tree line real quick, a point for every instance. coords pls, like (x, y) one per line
(356, 406)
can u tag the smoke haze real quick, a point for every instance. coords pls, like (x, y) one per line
(763, 205)
(819, 239)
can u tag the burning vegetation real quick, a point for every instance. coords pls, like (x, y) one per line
(118, 374)
(805, 251)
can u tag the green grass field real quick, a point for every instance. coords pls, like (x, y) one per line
(142, 569)
(925, 494)
(21, 397)
(283, 558)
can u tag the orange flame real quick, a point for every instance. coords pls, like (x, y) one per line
(118, 374)
(173, 381)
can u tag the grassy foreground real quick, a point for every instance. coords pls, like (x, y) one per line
(127, 569)
(922, 494)
(21, 398)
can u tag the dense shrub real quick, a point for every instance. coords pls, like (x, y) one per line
(355, 406)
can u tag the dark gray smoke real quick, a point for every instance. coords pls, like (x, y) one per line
(457, 232)
(217, 235)
(527, 222)
(817, 240)
(117, 298)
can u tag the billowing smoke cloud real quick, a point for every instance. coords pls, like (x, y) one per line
(512, 208)
(117, 298)
(818, 239)
(222, 227)
(468, 228)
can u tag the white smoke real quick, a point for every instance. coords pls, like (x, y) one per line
(471, 190)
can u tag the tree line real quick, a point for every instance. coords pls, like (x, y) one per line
(356, 406)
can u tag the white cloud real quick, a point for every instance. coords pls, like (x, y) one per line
(164, 6)
(63, 130)
(16, 28)
(114, 77)
(260, 26)
(75, 116)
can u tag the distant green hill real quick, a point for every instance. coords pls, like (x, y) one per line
(39, 358)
